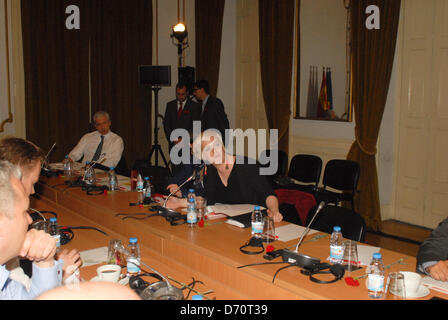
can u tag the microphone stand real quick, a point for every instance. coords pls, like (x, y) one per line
(300, 259)
(92, 165)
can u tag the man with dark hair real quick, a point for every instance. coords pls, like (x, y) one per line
(180, 113)
(213, 115)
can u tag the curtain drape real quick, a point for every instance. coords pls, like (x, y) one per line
(372, 60)
(114, 39)
(276, 25)
(209, 20)
(121, 40)
(56, 73)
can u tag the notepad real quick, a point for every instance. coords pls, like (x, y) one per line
(232, 210)
(290, 232)
(94, 256)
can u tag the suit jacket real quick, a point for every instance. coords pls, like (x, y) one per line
(214, 116)
(435, 247)
(191, 112)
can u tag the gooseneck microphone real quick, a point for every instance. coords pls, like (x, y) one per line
(120, 248)
(319, 208)
(299, 259)
(196, 173)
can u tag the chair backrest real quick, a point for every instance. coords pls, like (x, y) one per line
(352, 225)
(305, 168)
(282, 161)
(341, 174)
(122, 167)
(158, 176)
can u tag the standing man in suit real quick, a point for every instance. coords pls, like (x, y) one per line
(180, 113)
(213, 114)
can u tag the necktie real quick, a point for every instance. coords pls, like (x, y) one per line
(179, 110)
(96, 156)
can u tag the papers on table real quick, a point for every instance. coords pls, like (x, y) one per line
(232, 210)
(290, 232)
(431, 283)
(94, 256)
(365, 253)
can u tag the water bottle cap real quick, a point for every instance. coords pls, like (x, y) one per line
(146, 178)
(257, 208)
(111, 168)
(196, 297)
(337, 228)
(132, 240)
(53, 219)
(190, 200)
(377, 255)
(87, 162)
(190, 190)
(66, 157)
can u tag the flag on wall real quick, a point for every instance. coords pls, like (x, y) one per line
(323, 98)
(311, 108)
(329, 89)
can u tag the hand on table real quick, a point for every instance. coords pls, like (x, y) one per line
(275, 215)
(439, 271)
(72, 261)
(174, 203)
(172, 188)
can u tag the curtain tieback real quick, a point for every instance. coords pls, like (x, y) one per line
(358, 141)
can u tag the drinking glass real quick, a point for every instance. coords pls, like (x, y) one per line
(397, 289)
(201, 205)
(268, 229)
(114, 256)
(350, 260)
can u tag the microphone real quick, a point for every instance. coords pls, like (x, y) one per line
(92, 165)
(299, 259)
(46, 157)
(196, 173)
(120, 248)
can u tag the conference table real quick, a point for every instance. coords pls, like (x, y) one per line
(209, 254)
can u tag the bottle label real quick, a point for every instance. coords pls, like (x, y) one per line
(132, 268)
(257, 227)
(58, 240)
(375, 282)
(192, 217)
(336, 253)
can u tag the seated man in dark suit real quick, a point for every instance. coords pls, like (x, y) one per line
(213, 114)
(180, 113)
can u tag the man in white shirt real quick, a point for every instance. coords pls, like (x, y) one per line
(103, 141)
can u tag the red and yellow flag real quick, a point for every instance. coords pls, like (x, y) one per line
(323, 103)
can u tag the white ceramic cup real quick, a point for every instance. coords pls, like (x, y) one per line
(109, 272)
(412, 282)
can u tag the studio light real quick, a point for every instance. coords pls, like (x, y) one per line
(180, 32)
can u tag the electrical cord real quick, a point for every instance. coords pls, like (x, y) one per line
(282, 268)
(259, 264)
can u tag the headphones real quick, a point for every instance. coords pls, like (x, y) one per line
(138, 284)
(253, 242)
(336, 270)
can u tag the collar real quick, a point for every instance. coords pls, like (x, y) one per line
(4, 277)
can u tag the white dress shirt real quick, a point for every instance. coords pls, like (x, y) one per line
(113, 147)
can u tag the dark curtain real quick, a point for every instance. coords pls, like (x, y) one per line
(121, 40)
(209, 18)
(276, 25)
(56, 73)
(372, 60)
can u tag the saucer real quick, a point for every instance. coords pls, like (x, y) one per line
(423, 291)
(123, 281)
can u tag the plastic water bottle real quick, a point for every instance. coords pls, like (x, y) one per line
(140, 183)
(147, 188)
(257, 222)
(113, 183)
(54, 231)
(68, 170)
(336, 246)
(134, 252)
(191, 195)
(375, 280)
(192, 215)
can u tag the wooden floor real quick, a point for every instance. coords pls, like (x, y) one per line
(401, 230)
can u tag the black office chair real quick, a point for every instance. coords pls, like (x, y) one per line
(352, 225)
(158, 176)
(306, 169)
(122, 167)
(342, 175)
(278, 178)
